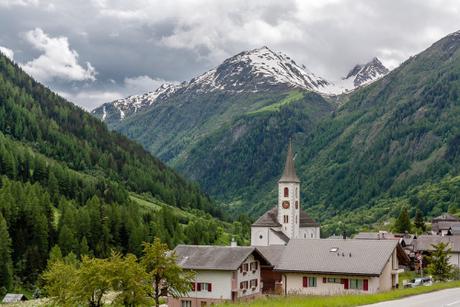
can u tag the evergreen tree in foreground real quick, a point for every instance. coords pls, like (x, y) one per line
(439, 266)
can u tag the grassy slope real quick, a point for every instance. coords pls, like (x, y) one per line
(345, 300)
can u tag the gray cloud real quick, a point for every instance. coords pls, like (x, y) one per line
(157, 40)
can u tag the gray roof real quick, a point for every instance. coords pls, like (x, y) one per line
(455, 230)
(425, 242)
(272, 253)
(289, 174)
(13, 298)
(446, 217)
(222, 258)
(444, 225)
(270, 219)
(373, 236)
(368, 257)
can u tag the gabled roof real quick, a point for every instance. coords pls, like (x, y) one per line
(447, 217)
(272, 253)
(352, 257)
(426, 242)
(444, 225)
(289, 174)
(270, 219)
(221, 258)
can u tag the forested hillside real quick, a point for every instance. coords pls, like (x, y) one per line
(66, 180)
(376, 146)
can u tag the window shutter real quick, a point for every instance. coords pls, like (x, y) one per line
(193, 286)
(365, 285)
(324, 280)
(257, 281)
(209, 287)
(198, 286)
(344, 282)
(305, 282)
(241, 285)
(241, 269)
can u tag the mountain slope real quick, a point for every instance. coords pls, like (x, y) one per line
(255, 71)
(394, 135)
(67, 181)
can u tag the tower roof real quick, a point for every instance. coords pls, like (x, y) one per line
(289, 174)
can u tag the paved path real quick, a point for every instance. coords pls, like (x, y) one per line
(442, 298)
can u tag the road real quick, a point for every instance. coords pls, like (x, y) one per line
(443, 298)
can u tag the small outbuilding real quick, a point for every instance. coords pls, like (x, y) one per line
(14, 298)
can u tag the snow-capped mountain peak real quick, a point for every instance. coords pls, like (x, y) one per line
(258, 70)
(365, 73)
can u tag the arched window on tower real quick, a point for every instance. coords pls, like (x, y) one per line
(286, 192)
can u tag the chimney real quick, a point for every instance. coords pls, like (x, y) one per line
(233, 243)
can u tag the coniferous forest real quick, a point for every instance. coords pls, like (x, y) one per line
(66, 180)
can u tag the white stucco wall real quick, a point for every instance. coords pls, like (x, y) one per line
(454, 259)
(248, 277)
(309, 233)
(221, 285)
(295, 284)
(268, 237)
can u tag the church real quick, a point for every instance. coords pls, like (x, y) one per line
(287, 220)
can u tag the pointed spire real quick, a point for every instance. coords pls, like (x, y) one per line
(289, 174)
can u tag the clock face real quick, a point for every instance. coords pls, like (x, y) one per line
(285, 204)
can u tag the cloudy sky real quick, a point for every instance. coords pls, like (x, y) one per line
(94, 51)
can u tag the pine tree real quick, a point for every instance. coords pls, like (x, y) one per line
(402, 223)
(6, 265)
(419, 221)
(439, 266)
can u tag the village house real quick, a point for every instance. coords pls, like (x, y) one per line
(287, 220)
(442, 225)
(324, 267)
(223, 273)
(424, 245)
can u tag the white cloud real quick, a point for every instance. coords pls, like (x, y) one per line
(89, 99)
(7, 52)
(8, 3)
(141, 84)
(58, 60)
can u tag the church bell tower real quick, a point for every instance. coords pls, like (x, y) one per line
(288, 198)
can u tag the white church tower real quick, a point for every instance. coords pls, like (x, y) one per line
(288, 198)
(286, 220)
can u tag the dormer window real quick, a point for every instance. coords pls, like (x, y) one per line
(286, 192)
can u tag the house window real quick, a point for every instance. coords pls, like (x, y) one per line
(253, 283)
(204, 286)
(244, 285)
(309, 282)
(331, 280)
(297, 204)
(356, 284)
(286, 219)
(186, 304)
(286, 192)
(245, 267)
(254, 266)
(296, 219)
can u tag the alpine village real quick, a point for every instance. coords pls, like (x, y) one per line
(255, 183)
